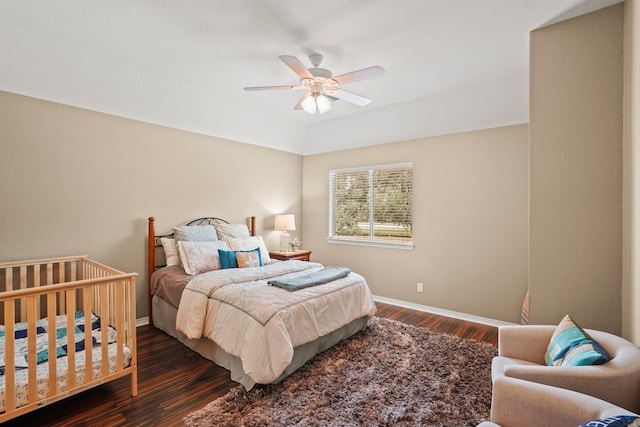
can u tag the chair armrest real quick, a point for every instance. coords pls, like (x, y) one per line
(517, 403)
(525, 342)
(600, 381)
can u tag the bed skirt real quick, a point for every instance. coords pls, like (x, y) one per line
(164, 318)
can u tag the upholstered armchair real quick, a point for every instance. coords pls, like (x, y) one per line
(521, 354)
(518, 403)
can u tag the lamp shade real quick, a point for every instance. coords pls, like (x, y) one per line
(286, 222)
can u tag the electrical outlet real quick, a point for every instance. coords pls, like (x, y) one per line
(420, 287)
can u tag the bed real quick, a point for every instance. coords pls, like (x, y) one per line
(233, 316)
(46, 306)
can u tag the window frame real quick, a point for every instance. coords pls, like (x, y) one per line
(371, 241)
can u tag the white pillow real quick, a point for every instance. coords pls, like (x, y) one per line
(195, 233)
(238, 231)
(170, 251)
(198, 257)
(249, 243)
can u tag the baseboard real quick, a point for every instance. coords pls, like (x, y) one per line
(142, 321)
(442, 312)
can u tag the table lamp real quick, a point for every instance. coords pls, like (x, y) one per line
(283, 224)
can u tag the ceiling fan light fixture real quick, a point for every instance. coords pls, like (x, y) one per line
(324, 104)
(315, 102)
(309, 104)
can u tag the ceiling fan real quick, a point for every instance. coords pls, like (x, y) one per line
(320, 84)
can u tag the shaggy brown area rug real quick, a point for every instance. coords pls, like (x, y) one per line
(391, 374)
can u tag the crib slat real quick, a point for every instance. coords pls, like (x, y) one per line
(8, 279)
(31, 346)
(22, 278)
(23, 284)
(49, 274)
(88, 343)
(61, 279)
(36, 276)
(112, 308)
(119, 308)
(104, 328)
(36, 283)
(61, 266)
(51, 335)
(74, 269)
(9, 356)
(71, 338)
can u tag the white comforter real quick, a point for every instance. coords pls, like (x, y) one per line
(261, 324)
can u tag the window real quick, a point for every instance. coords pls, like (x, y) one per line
(372, 205)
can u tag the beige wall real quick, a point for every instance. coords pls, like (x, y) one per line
(74, 182)
(469, 221)
(631, 210)
(575, 263)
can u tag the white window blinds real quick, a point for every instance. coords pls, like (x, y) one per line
(371, 204)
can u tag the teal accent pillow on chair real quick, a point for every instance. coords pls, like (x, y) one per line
(570, 345)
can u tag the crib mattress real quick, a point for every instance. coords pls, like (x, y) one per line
(62, 368)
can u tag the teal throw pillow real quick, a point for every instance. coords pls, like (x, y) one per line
(616, 421)
(570, 345)
(228, 259)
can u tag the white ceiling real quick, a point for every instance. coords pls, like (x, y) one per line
(451, 65)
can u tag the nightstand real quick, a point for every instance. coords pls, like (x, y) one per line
(285, 256)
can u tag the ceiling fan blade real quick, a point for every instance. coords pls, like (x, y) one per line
(291, 87)
(365, 73)
(297, 66)
(350, 97)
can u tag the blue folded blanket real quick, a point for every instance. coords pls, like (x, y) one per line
(320, 277)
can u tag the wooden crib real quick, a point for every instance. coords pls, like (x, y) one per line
(45, 308)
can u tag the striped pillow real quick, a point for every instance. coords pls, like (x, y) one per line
(570, 345)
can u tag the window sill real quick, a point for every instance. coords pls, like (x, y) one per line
(371, 243)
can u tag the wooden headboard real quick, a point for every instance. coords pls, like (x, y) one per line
(155, 245)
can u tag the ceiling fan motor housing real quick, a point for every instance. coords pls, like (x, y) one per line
(320, 72)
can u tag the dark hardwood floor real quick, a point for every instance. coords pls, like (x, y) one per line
(173, 380)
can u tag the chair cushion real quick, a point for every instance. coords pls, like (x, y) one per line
(570, 345)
